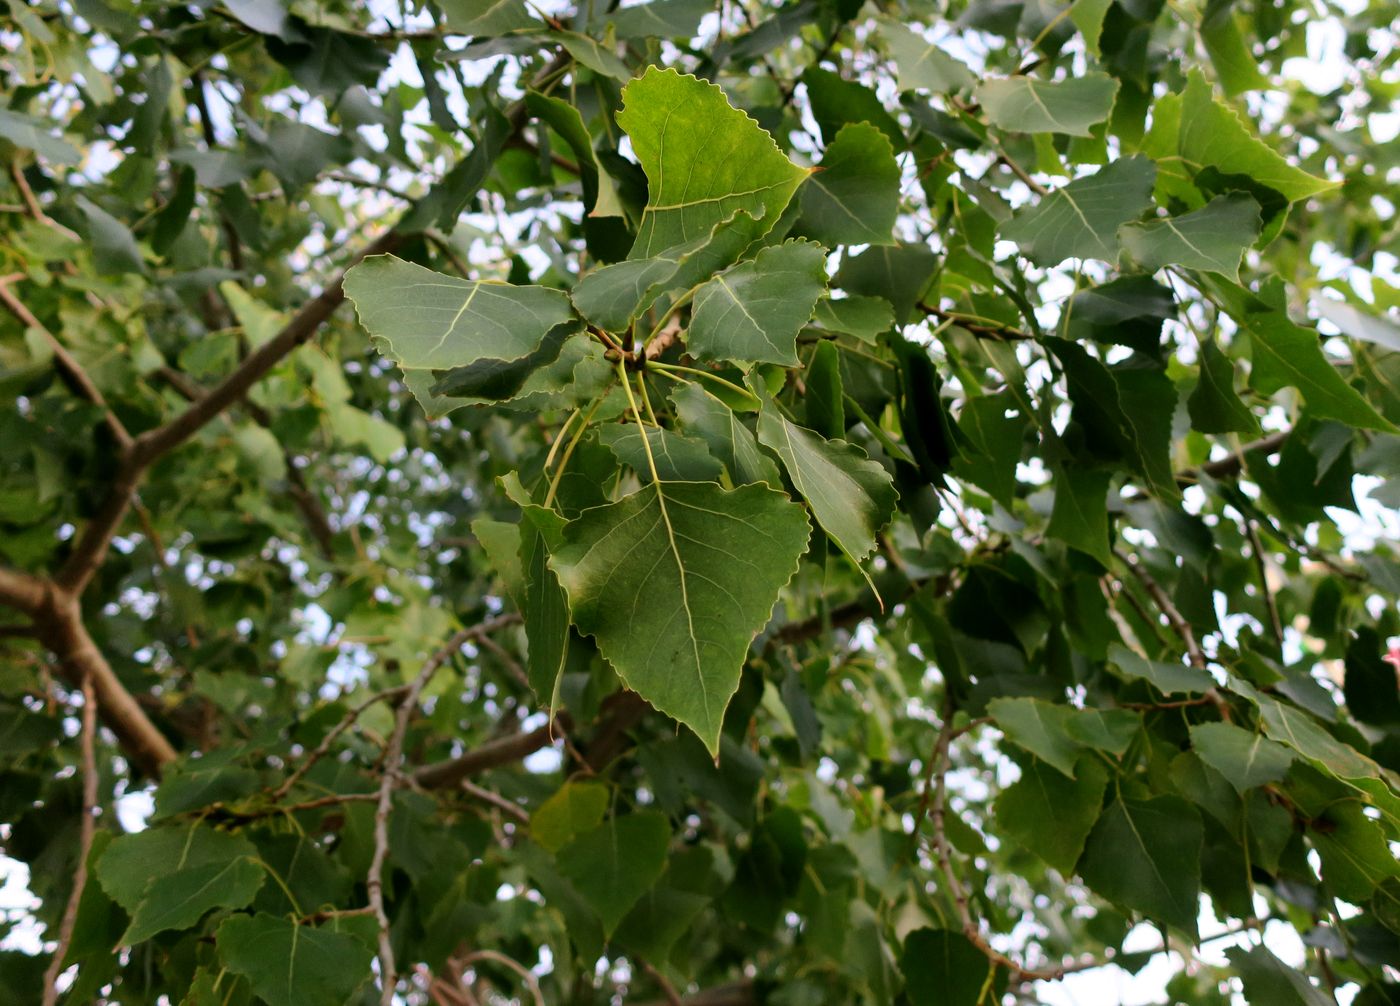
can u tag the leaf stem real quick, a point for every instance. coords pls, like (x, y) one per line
(664, 367)
(636, 413)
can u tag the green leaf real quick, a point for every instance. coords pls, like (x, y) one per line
(612, 297)
(1044, 794)
(836, 102)
(1244, 757)
(1109, 730)
(543, 603)
(659, 19)
(575, 808)
(705, 160)
(600, 197)
(674, 581)
(1088, 16)
(866, 318)
(487, 17)
(293, 965)
(131, 862)
(613, 865)
(180, 899)
(728, 439)
(995, 431)
(922, 65)
(1212, 134)
(1081, 220)
(423, 319)
(1042, 728)
(1355, 851)
(1288, 355)
(1080, 515)
(753, 312)
(1026, 105)
(1270, 982)
(899, 274)
(1145, 856)
(499, 380)
(823, 403)
(851, 496)
(1214, 405)
(942, 968)
(678, 458)
(34, 134)
(853, 198)
(1169, 679)
(593, 54)
(1378, 330)
(1213, 238)
(114, 250)
(1229, 53)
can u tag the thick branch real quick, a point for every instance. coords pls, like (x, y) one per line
(61, 629)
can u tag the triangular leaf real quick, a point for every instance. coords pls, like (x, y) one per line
(1213, 238)
(753, 312)
(613, 865)
(293, 965)
(854, 197)
(1026, 105)
(1081, 220)
(674, 581)
(1145, 856)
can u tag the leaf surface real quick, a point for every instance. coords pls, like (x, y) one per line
(674, 581)
(1081, 220)
(1145, 856)
(293, 965)
(1026, 105)
(753, 312)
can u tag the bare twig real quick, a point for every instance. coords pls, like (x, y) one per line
(496, 800)
(667, 989)
(526, 975)
(982, 327)
(88, 747)
(1234, 464)
(332, 735)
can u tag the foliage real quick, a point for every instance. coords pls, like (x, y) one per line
(813, 502)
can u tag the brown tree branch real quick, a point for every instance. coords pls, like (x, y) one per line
(1234, 464)
(150, 446)
(88, 748)
(68, 366)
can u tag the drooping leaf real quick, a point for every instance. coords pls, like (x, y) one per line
(1376, 329)
(494, 379)
(614, 864)
(753, 312)
(1043, 794)
(132, 862)
(600, 197)
(426, 320)
(1080, 514)
(866, 318)
(1270, 982)
(1026, 105)
(1229, 53)
(837, 102)
(180, 899)
(854, 197)
(942, 968)
(705, 160)
(542, 600)
(1081, 220)
(899, 274)
(825, 408)
(1145, 856)
(315, 966)
(1288, 355)
(851, 496)
(1214, 237)
(674, 581)
(1214, 405)
(1242, 756)
(658, 19)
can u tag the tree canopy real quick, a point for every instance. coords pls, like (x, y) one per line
(714, 504)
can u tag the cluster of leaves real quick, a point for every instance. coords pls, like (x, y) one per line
(818, 502)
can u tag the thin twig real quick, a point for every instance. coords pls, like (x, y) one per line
(667, 989)
(332, 735)
(496, 800)
(526, 975)
(392, 771)
(88, 748)
(1261, 562)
